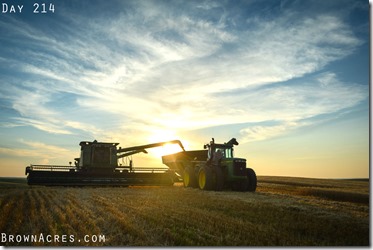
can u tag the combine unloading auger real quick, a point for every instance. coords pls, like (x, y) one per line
(98, 165)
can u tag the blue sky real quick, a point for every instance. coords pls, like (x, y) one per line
(288, 79)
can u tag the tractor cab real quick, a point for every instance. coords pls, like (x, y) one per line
(216, 152)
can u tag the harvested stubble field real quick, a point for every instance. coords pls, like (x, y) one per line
(283, 212)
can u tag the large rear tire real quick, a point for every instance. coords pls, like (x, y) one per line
(205, 179)
(219, 178)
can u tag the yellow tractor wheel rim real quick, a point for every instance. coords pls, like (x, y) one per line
(202, 179)
(186, 179)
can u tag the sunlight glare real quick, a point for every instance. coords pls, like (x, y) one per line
(162, 136)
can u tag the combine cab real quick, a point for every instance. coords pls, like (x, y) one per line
(98, 165)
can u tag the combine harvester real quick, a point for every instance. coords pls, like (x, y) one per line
(98, 165)
(214, 168)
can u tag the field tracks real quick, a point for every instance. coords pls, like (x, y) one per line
(283, 212)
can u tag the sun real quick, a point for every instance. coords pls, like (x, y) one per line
(163, 136)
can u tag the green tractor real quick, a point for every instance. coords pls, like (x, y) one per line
(213, 168)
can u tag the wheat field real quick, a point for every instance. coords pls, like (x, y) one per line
(284, 211)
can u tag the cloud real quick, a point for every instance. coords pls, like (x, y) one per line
(166, 68)
(258, 133)
(47, 126)
(37, 150)
(324, 94)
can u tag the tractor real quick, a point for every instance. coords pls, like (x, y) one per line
(213, 168)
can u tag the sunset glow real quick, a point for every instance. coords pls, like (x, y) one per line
(288, 79)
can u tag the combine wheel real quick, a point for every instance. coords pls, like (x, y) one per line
(189, 178)
(205, 179)
(252, 181)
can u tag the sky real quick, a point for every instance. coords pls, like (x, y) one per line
(288, 79)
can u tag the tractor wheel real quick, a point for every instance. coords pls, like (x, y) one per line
(219, 178)
(205, 181)
(189, 178)
(252, 181)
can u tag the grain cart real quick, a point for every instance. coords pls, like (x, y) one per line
(98, 165)
(213, 168)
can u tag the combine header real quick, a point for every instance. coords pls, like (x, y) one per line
(98, 165)
(214, 168)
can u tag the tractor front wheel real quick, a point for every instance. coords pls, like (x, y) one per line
(251, 180)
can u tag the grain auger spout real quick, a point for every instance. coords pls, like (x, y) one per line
(98, 165)
(142, 149)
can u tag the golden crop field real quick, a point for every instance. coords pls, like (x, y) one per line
(283, 212)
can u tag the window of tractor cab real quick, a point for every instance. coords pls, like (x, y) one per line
(226, 152)
(229, 153)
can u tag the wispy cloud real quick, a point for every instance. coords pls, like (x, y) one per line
(258, 133)
(325, 94)
(169, 69)
(37, 150)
